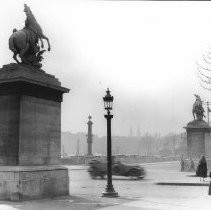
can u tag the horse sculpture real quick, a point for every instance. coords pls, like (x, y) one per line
(198, 109)
(25, 42)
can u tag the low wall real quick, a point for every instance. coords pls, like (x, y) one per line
(84, 160)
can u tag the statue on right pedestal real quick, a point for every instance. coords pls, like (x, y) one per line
(198, 110)
(198, 133)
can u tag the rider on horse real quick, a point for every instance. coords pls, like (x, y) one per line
(31, 28)
(25, 42)
(198, 108)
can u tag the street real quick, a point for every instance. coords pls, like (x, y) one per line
(81, 183)
(85, 193)
(145, 190)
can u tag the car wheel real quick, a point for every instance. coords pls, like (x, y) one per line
(133, 173)
(140, 177)
(116, 170)
(102, 176)
(93, 176)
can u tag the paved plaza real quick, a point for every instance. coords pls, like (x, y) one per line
(171, 194)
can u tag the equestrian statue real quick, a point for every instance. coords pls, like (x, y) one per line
(198, 109)
(26, 42)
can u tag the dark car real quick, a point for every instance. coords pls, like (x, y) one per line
(98, 168)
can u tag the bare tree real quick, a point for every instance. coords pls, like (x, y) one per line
(204, 71)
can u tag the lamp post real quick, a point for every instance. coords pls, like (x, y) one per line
(108, 102)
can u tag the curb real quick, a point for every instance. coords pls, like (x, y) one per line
(71, 169)
(181, 184)
(78, 168)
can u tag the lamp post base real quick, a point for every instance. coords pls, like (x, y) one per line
(110, 192)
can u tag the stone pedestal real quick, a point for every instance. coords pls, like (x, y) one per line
(30, 133)
(199, 140)
(208, 150)
(19, 183)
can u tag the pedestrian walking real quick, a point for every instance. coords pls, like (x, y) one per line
(192, 165)
(202, 168)
(209, 191)
(182, 163)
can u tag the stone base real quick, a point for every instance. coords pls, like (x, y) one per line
(208, 150)
(18, 183)
(198, 131)
(110, 194)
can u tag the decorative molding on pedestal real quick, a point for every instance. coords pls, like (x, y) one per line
(24, 80)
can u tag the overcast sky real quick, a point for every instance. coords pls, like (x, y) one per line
(145, 52)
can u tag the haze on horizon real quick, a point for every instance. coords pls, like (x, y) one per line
(145, 52)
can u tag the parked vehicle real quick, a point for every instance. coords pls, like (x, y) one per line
(98, 168)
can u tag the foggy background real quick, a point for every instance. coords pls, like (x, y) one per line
(145, 52)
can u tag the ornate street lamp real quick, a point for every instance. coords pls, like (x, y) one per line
(108, 102)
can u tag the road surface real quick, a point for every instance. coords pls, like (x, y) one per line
(145, 194)
(85, 193)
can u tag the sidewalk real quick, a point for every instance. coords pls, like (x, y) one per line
(185, 179)
(203, 203)
(82, 202)
(79, 203)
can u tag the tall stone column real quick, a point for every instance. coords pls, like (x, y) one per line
(89, 136)
(30, 134)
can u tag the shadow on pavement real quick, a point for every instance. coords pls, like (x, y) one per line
(124, 179)
(58, 203)
(192, 175)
